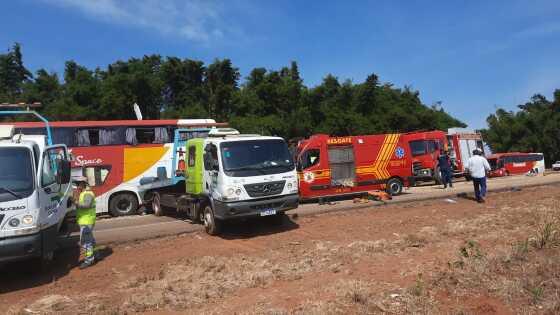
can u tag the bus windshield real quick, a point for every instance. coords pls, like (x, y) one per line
(16, 174)
(493, 163)
(256, 157)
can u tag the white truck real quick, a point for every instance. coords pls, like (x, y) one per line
(34, 195)
(229, 176)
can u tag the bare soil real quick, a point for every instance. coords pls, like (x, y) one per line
(438, 257)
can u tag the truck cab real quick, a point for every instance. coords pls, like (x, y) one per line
(34, 195)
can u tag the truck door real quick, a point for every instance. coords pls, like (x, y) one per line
(54, 190)
(314, 173)
(211, 168)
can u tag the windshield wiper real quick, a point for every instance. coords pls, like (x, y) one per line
(11, 192)
(247, 168)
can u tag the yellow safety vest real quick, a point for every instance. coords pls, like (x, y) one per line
(86, 216)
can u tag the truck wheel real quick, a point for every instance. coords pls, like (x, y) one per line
(156, 205)
(45, 261)
(123, 204)
(437, 176)
(211, 224)
(394, 186)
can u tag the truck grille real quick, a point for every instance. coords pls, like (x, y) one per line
(416, 167)
(265, 206)
(265, 189)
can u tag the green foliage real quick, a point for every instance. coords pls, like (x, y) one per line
(267, 101)
(534, 128)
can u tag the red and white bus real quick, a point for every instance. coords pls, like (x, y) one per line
(505, 164)
(114, 155)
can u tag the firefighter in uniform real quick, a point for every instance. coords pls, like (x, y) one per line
(85, 216)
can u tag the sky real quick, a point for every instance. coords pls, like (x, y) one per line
(472, 56)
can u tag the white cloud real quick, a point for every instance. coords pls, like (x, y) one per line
(196, 20)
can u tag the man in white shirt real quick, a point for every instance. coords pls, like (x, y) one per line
(477, 167)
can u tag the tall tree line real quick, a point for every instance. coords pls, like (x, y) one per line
(534, 128)
(273, 102)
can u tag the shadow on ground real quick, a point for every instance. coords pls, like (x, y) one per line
(28, 274)
(253, 227)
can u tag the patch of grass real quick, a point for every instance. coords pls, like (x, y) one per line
(413, 240)
(546, 235)
(536, 293)
(471, 249)
(520, 250)
(418, 289)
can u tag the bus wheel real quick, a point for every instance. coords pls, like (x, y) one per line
(211, 224)
(156, 205)
(394, 186)
(123, 204)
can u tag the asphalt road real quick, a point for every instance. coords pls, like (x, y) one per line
(136, 228)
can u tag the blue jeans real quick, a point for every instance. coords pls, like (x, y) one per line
(88, 242)
(479, 188)
(446, 177)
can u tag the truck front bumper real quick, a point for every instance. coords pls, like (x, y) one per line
(20, 247)
(254, 208)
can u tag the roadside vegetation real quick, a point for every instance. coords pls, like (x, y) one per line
(265, 101)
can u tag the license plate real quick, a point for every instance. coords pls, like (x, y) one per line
(268, 212)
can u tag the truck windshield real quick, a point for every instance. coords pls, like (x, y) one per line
(256, 157)
(16, 174)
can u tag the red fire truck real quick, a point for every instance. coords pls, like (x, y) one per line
(462, 143)
(332, 166)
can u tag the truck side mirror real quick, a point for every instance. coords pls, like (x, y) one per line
(63, 175)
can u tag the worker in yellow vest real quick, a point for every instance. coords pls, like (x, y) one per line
(84, 199)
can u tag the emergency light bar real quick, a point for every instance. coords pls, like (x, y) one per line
(220, 132)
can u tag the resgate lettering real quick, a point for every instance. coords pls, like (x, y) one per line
(337, 141)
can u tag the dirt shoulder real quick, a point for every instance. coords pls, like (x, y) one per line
(428, 257)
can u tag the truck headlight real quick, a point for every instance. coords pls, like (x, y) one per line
(27, 219)
(290, 185)
(230, 191)
(14, 222)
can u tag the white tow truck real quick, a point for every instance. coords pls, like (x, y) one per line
(229, 176)
(34, 193)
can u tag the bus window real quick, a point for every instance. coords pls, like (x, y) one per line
(417, 147)
(87, 137)
(152, 135)
(96, 175)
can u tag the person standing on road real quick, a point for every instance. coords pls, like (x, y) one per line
(477, 166)
(444, 162)
(84, 199)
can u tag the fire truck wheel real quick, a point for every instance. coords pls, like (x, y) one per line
(437, 176)
(123, 204)
(394, 186)
(156, 205)
(211, 224)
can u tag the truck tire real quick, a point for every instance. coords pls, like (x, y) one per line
(394, 186)
(123, 204)
(156, 205)
(437, 176)
(212, 225)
